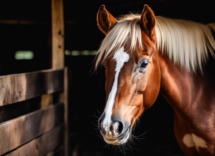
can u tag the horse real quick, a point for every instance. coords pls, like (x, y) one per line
(143, 55)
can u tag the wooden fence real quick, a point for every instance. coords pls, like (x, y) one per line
(43, 130)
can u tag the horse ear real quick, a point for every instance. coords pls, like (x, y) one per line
(147, 20)
(105, 20)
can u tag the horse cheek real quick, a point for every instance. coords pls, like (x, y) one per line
(153, 86)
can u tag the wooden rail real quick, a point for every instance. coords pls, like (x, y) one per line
(41, 145)
(16, 132)
(20, 87)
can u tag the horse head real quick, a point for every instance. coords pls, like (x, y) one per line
(132, 85)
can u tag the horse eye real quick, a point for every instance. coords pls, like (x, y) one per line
(144, 63)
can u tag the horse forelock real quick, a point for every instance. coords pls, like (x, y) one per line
(185, 42)
(126, 28)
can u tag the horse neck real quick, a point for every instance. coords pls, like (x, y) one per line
(180, 87)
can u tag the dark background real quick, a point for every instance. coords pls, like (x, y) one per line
(154, 130)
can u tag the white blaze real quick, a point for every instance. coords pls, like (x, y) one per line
(121, 57)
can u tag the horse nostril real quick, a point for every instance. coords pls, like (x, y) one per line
(111, 128)
(118, 124)
(120, 127)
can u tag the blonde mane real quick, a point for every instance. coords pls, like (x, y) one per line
(185, 42)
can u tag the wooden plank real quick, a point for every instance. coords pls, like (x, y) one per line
(20, 87)
(58, 40)
(49, 141)
(66, 113)
(23, 150)
(57, 34)
(41, 145)
(16, 132)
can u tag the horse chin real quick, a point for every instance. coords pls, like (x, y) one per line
(117, 141)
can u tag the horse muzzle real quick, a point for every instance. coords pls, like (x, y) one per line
(115, 132)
